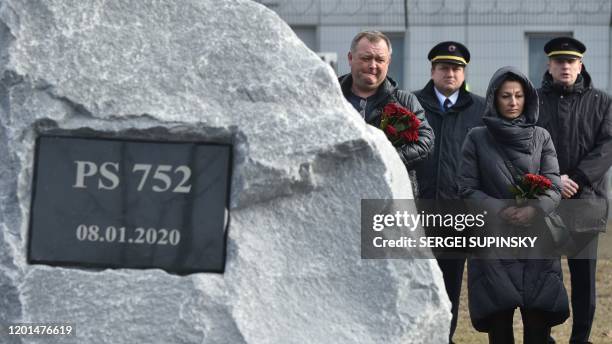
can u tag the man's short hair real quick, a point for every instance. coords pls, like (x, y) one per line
(373, 37)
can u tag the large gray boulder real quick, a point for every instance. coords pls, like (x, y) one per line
(227, 70)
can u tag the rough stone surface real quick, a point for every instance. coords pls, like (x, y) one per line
(221, 70)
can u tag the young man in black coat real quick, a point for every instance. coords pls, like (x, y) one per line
(579, 119)
(452, 111)
(369, 89)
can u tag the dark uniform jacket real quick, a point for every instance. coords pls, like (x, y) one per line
(437, 175)
(502, 284)
(579, 119)
(411, 153)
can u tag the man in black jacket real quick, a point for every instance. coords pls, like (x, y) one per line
(579, 119)
(369, 89)
(451, 111)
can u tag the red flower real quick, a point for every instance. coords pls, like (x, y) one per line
(399, 124)
(390, 109)
(410, 136)
(404, 111)
(530, 179)
(416, 123)
(530, 186)
(535, 180)
(391, 131)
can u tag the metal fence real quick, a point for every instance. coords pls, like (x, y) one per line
(442, 12)
(509, 12)
(340, 12)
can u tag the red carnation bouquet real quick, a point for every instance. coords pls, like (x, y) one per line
(530, 186)
(399, 124)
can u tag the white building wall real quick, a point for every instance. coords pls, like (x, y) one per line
(610, 73)
(338, 39)
(597, 57)
(495, 31)
(492, 47)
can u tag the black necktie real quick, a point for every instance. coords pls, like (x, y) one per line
(447, 104)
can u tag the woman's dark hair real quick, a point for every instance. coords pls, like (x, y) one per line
(511, 77)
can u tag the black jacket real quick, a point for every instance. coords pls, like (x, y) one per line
(500, 285)
(437, 175)
(411, 153)
(579, 119)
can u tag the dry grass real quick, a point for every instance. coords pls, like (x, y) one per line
(602, 327)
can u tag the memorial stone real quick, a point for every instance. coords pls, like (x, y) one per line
(228, 72)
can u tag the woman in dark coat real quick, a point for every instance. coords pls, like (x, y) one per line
(496, 287)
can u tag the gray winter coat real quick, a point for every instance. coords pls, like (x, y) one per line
(501, 285)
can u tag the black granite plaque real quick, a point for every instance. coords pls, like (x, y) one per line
(130, 204)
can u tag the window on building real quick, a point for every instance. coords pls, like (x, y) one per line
(537, 57)
(396, 69)
(308, 35)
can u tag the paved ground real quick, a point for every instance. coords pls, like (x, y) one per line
(602, 328)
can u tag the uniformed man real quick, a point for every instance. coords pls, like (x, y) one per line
(579, 119)
(368, 88)
(452, 111)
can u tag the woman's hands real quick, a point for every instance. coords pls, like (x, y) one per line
(520, 216)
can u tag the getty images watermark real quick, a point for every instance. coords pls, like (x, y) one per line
(426, 229)
(405, 220)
